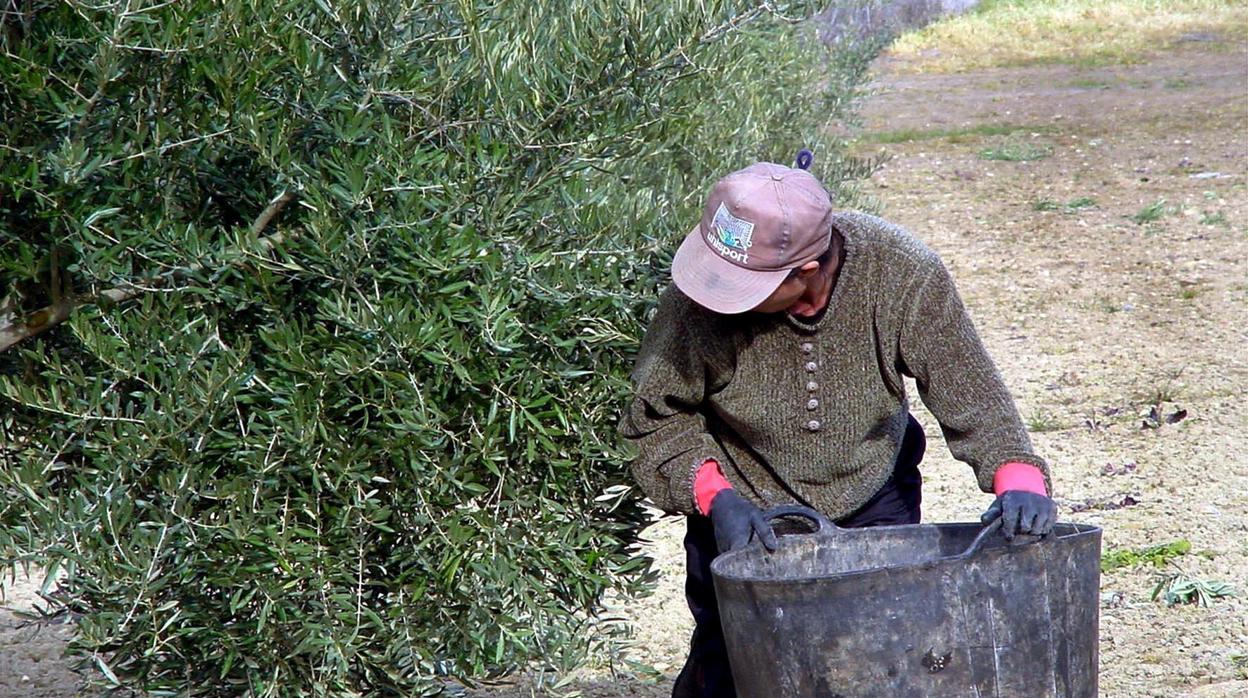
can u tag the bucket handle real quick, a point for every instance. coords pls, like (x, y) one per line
(984, 535)
(823, 525)
(993, 527)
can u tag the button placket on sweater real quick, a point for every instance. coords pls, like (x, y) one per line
(812, 386)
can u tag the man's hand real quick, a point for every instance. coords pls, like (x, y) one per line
(735, 519)
(1021, 512)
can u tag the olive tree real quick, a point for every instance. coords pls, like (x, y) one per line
(317, 316)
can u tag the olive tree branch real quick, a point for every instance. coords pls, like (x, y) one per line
(14, 328)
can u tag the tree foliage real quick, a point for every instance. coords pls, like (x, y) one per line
(317, 315)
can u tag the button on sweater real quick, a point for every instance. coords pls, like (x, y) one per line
(813, 412)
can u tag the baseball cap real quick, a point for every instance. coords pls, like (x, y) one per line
(758, 224)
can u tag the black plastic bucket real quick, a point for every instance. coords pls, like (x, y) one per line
(923, 611)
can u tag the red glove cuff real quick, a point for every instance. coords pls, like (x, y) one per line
(1019, 476)
(708, 482)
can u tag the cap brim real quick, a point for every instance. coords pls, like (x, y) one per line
(717, 284)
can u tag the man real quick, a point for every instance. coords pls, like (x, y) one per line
(772, 373)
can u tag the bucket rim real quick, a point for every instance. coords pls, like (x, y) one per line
(1074, 530)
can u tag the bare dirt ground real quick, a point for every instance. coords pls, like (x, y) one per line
(1100, 305)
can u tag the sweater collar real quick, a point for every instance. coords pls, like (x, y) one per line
(849, 248)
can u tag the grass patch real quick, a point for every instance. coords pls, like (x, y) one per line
(1082, 32)
(1168, 389)
(1016, 152)
(1110, 306)
(1090, 84)
(1218, 218)
(1150, 213)
(1042, 422)
(1157, 555)
(1178, 84)
(954, 135)
(1068, 207)
(1240, 662)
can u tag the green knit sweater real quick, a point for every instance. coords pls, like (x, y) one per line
(814, 413)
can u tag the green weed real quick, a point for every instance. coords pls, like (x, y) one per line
(1167, 389)
(1090, 84)
(1110, 306)
(1240, 662)
(1158, 555)
(1068, 207)
(1017, 152)
(1042, 422)
(1181, 588)
(1217, 218)
(1161, 394)
(1150, 213)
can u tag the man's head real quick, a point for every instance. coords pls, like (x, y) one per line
(762, 232)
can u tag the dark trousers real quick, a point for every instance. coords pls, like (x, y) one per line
(706, 673)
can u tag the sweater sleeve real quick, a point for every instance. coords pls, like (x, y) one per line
(664, 419)
(958, 381)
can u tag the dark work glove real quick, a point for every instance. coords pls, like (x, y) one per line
(1023, 512)
(735, 519)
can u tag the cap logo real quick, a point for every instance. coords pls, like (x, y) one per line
(730, 236)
